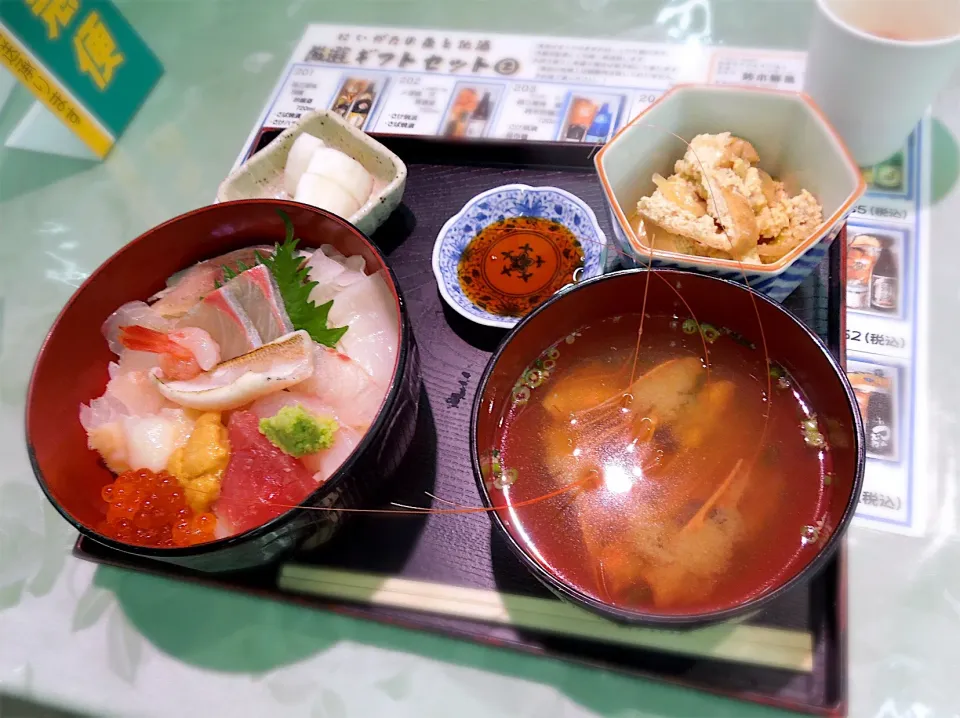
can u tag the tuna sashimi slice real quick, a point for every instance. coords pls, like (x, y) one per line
(260, 482)
(258, 294)
(222, 316)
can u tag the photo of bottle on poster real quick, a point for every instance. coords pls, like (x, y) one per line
(874, 271)
(876, 388)
(589, 118)
(355, 99)
(471, 110)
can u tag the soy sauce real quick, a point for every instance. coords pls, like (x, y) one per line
(515, 264)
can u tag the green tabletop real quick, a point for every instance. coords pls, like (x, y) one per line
(99, 641)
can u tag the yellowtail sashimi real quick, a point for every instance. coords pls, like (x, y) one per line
(185, 289)
(223, 317)
(258, 294)
(231, 384)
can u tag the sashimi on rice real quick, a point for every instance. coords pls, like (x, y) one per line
(238, 390)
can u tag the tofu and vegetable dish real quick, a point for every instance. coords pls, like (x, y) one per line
(718, 203)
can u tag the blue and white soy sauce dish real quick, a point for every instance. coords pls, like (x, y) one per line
(511, 248)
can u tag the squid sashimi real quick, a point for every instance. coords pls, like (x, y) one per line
(238, 390)
(333, 273)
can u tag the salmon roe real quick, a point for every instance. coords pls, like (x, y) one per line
(149, 509)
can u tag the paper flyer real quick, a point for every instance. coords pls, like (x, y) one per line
(488, 85)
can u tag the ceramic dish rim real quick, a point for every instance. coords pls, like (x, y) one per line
(637, 617)
(296, 129)
(490, 320)
(774, 268)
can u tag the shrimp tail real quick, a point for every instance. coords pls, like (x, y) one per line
(143, 339)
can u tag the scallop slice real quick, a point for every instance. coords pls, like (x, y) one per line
(326, 194)
(343, 170)
(231, 384)
(297, 160)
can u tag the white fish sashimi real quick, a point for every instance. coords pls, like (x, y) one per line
(343, 384)
(132, 314)
(342, 170)
(325, 463)
(137, 392)
(369, 309)
(268, 406)
(301, 151)
(323, 269)
(131, 360)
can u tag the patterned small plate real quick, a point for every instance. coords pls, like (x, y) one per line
(525, 261)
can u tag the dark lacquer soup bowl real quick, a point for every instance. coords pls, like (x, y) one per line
(72, 368)
(684, 474)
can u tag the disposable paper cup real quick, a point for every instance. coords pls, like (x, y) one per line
(875, 65)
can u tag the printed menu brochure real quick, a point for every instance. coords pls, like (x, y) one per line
(487, 85)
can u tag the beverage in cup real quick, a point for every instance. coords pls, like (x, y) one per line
(874, 66)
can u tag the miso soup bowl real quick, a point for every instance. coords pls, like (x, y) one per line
(72, 369)
(796, 144)
(724, 304)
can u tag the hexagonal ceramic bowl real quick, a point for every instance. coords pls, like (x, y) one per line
(795, 142)
(261, 176)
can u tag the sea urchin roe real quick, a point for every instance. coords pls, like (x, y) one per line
(143, 508)
(199, 464)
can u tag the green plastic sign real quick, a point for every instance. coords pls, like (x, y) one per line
(83, 60)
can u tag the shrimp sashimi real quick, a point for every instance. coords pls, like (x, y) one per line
(184, 354)
(132, 314)
(346, 386)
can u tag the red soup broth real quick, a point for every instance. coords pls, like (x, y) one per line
(698, 488)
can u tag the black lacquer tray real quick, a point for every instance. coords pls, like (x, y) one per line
(459, 575)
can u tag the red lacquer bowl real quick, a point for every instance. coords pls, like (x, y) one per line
(715, 301)
(72, 369)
